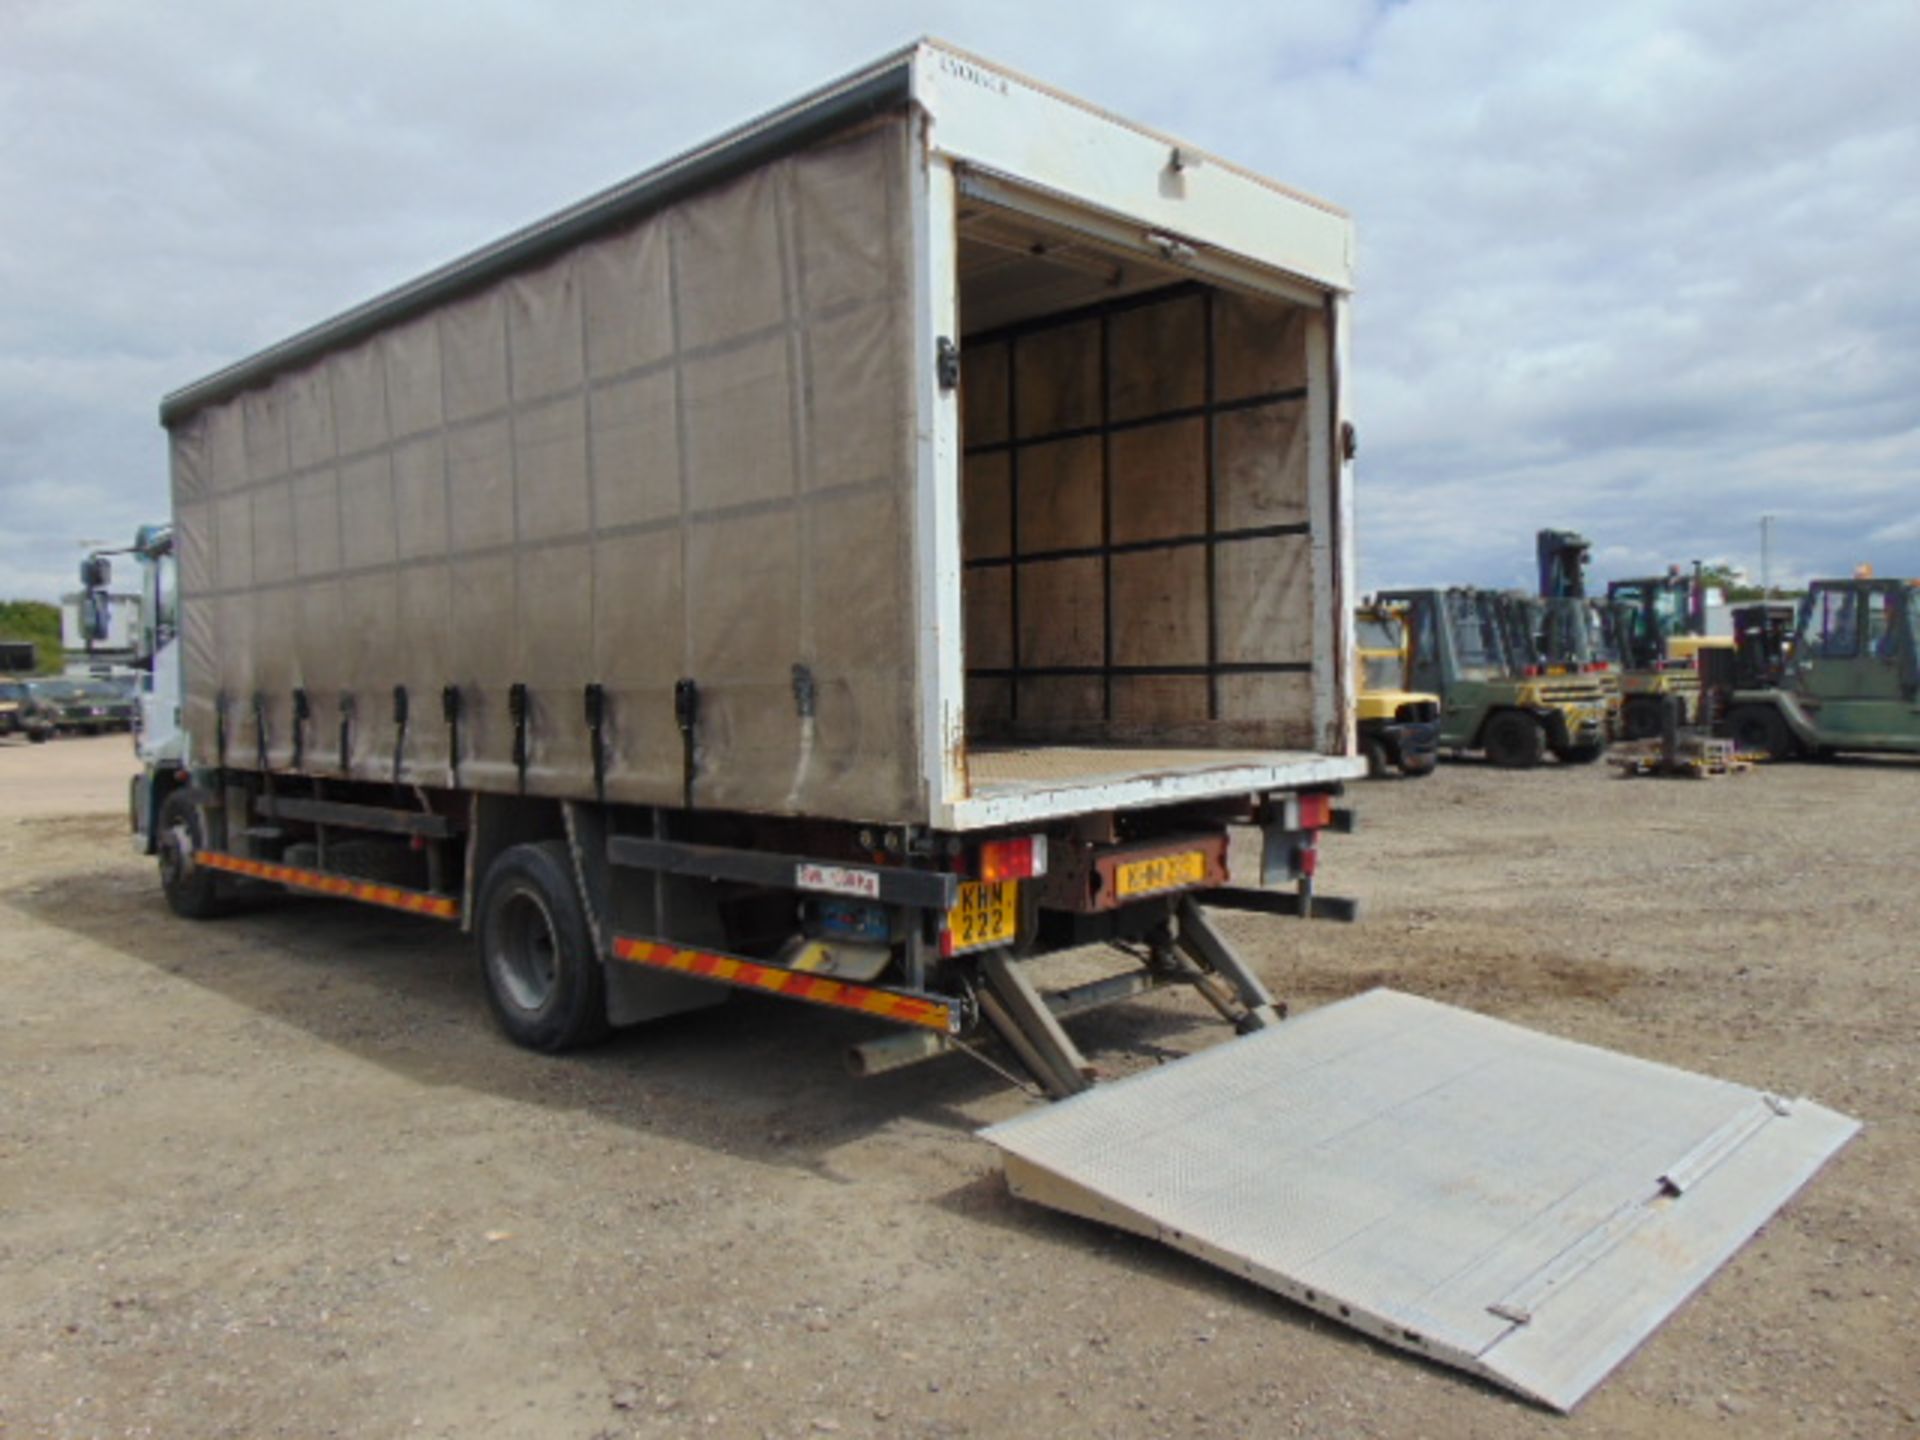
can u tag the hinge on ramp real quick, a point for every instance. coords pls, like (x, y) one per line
(1193, 954)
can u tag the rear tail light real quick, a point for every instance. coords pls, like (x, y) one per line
(1022, 859)
(1532, 672)
(1315, 811)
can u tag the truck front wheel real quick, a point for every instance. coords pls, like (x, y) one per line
(543, 977)
(192, 890)
(1514, 741)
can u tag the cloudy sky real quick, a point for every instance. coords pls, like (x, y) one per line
(1644, 270)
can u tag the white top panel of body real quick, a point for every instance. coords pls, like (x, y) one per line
(986, 116)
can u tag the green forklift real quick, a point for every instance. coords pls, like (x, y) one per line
(1495, 696)
(1851, 681)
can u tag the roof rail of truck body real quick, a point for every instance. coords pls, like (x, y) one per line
(984, 115)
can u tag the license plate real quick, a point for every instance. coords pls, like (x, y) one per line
(1162, 872)
(987, 913)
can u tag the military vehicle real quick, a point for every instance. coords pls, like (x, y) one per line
(1493, 698)
(1851, 681)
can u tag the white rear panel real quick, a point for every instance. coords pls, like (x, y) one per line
(994, 119)
(997, 142)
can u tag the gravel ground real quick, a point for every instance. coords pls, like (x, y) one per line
(277, 1175)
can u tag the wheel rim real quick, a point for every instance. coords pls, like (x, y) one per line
(176, 856)
(525, 952)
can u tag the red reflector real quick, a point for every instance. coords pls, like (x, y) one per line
(1309, 859)
(1531, 671)
(1315, 811)
(1021, 859)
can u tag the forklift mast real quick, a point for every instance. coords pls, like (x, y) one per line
(1563, 564)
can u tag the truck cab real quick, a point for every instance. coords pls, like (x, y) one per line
(152, 655)
(1850, 681)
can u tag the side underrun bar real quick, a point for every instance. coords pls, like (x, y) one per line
(901, 1006)
(393, 897)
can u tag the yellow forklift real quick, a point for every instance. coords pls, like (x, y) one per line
(1399, 727)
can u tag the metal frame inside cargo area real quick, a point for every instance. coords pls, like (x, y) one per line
(1030, 266)
(1206, 540)
(1140, 574)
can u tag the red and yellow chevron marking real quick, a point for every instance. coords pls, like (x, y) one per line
(441, 907)
(794, 984)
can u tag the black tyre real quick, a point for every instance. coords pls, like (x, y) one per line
(1759, 729)
(1580, 754)
(39, 737)
(1513, 740)
(193, 891)
(1640, 718)
(1414, 766)
(543, 978)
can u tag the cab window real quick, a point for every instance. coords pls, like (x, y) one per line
(1829, 629)
(1426, 646)
(1879, 627)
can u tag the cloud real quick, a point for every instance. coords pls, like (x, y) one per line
(1637, 269)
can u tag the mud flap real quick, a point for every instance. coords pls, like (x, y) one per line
(1523, 1207)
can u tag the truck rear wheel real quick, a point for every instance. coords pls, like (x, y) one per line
(193, 891)
(1759, 728)
(543, 976)
(1514, 740)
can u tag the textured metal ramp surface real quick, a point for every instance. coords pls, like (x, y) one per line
(1524, 1207)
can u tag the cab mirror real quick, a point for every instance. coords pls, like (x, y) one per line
(94, 615)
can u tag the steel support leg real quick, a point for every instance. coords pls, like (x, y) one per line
(1017, 1011)
(1211, 952)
